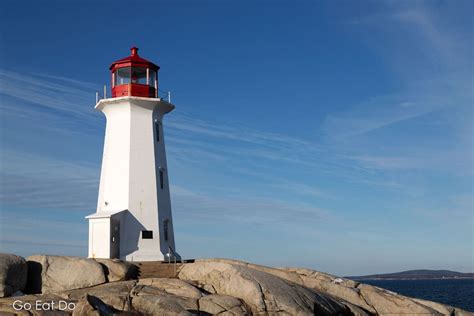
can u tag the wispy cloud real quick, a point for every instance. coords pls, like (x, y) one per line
(390, 163)
(236, 132)
(66, 97)
(32, 181)
(434, 75)
(375, 114)
(438, 42)
(248, 210)
(30, 230)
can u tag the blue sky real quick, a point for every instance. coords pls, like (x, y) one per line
(331, 135)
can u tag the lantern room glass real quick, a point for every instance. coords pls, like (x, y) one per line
(139, 75)
(151, 81)
(135, 75)
(122, 76)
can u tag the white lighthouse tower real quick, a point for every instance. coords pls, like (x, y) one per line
(133, 221)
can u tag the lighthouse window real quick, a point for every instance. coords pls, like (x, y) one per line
(161, 178)
(147, 234)
(165, 228)
(139, 75)
(157, 130)
(122, 76)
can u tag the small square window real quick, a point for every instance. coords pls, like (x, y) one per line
(165, 228)
(147, 234)
(157, 130)
(161, 178)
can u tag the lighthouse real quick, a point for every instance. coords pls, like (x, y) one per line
(133, 220)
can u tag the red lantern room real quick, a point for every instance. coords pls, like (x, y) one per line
(134, 76)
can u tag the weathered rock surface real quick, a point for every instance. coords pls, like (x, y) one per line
(174, 296)
(115, 294)
(85, 308)
(52, 306)
(318, 281)
(223, 305)
(263, 292)
(385, 302)
(13, 273)
(367, 298)
(118, 270)
(171, 286)
(440, 308)
(156, 296)
(147, 299)
(94, 306)
(210, 286)
(164, 304)
(49, 274)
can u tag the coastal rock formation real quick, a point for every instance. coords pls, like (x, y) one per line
(370, 299)
(116, 295)
(49, 274)
(79, 286)
(318, 281)
(8, 306)
(170, 286)
(222, 304)
(117, 270)
(263, 292)
(13, 273)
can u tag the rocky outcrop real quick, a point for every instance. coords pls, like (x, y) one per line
(13, 273)
(263, 292)
(118, 270)
(370, 299)
(207, 287)
(174, 296)
(156, 296)
(115, 294)
(318, 281)
(222, 304)
(170, 286)
(384, 302)
(144, 297)
(16, 305)
(49, 274)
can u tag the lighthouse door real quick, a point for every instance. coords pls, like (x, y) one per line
(115, 239)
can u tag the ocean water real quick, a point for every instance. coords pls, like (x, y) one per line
(454, 292)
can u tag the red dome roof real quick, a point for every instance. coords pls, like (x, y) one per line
(133, 60)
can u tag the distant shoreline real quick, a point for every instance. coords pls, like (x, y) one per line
(399, 279)
(416, 275)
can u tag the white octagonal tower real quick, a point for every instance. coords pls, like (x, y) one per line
(133, 221)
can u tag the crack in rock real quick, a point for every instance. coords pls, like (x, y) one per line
(263, 297)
